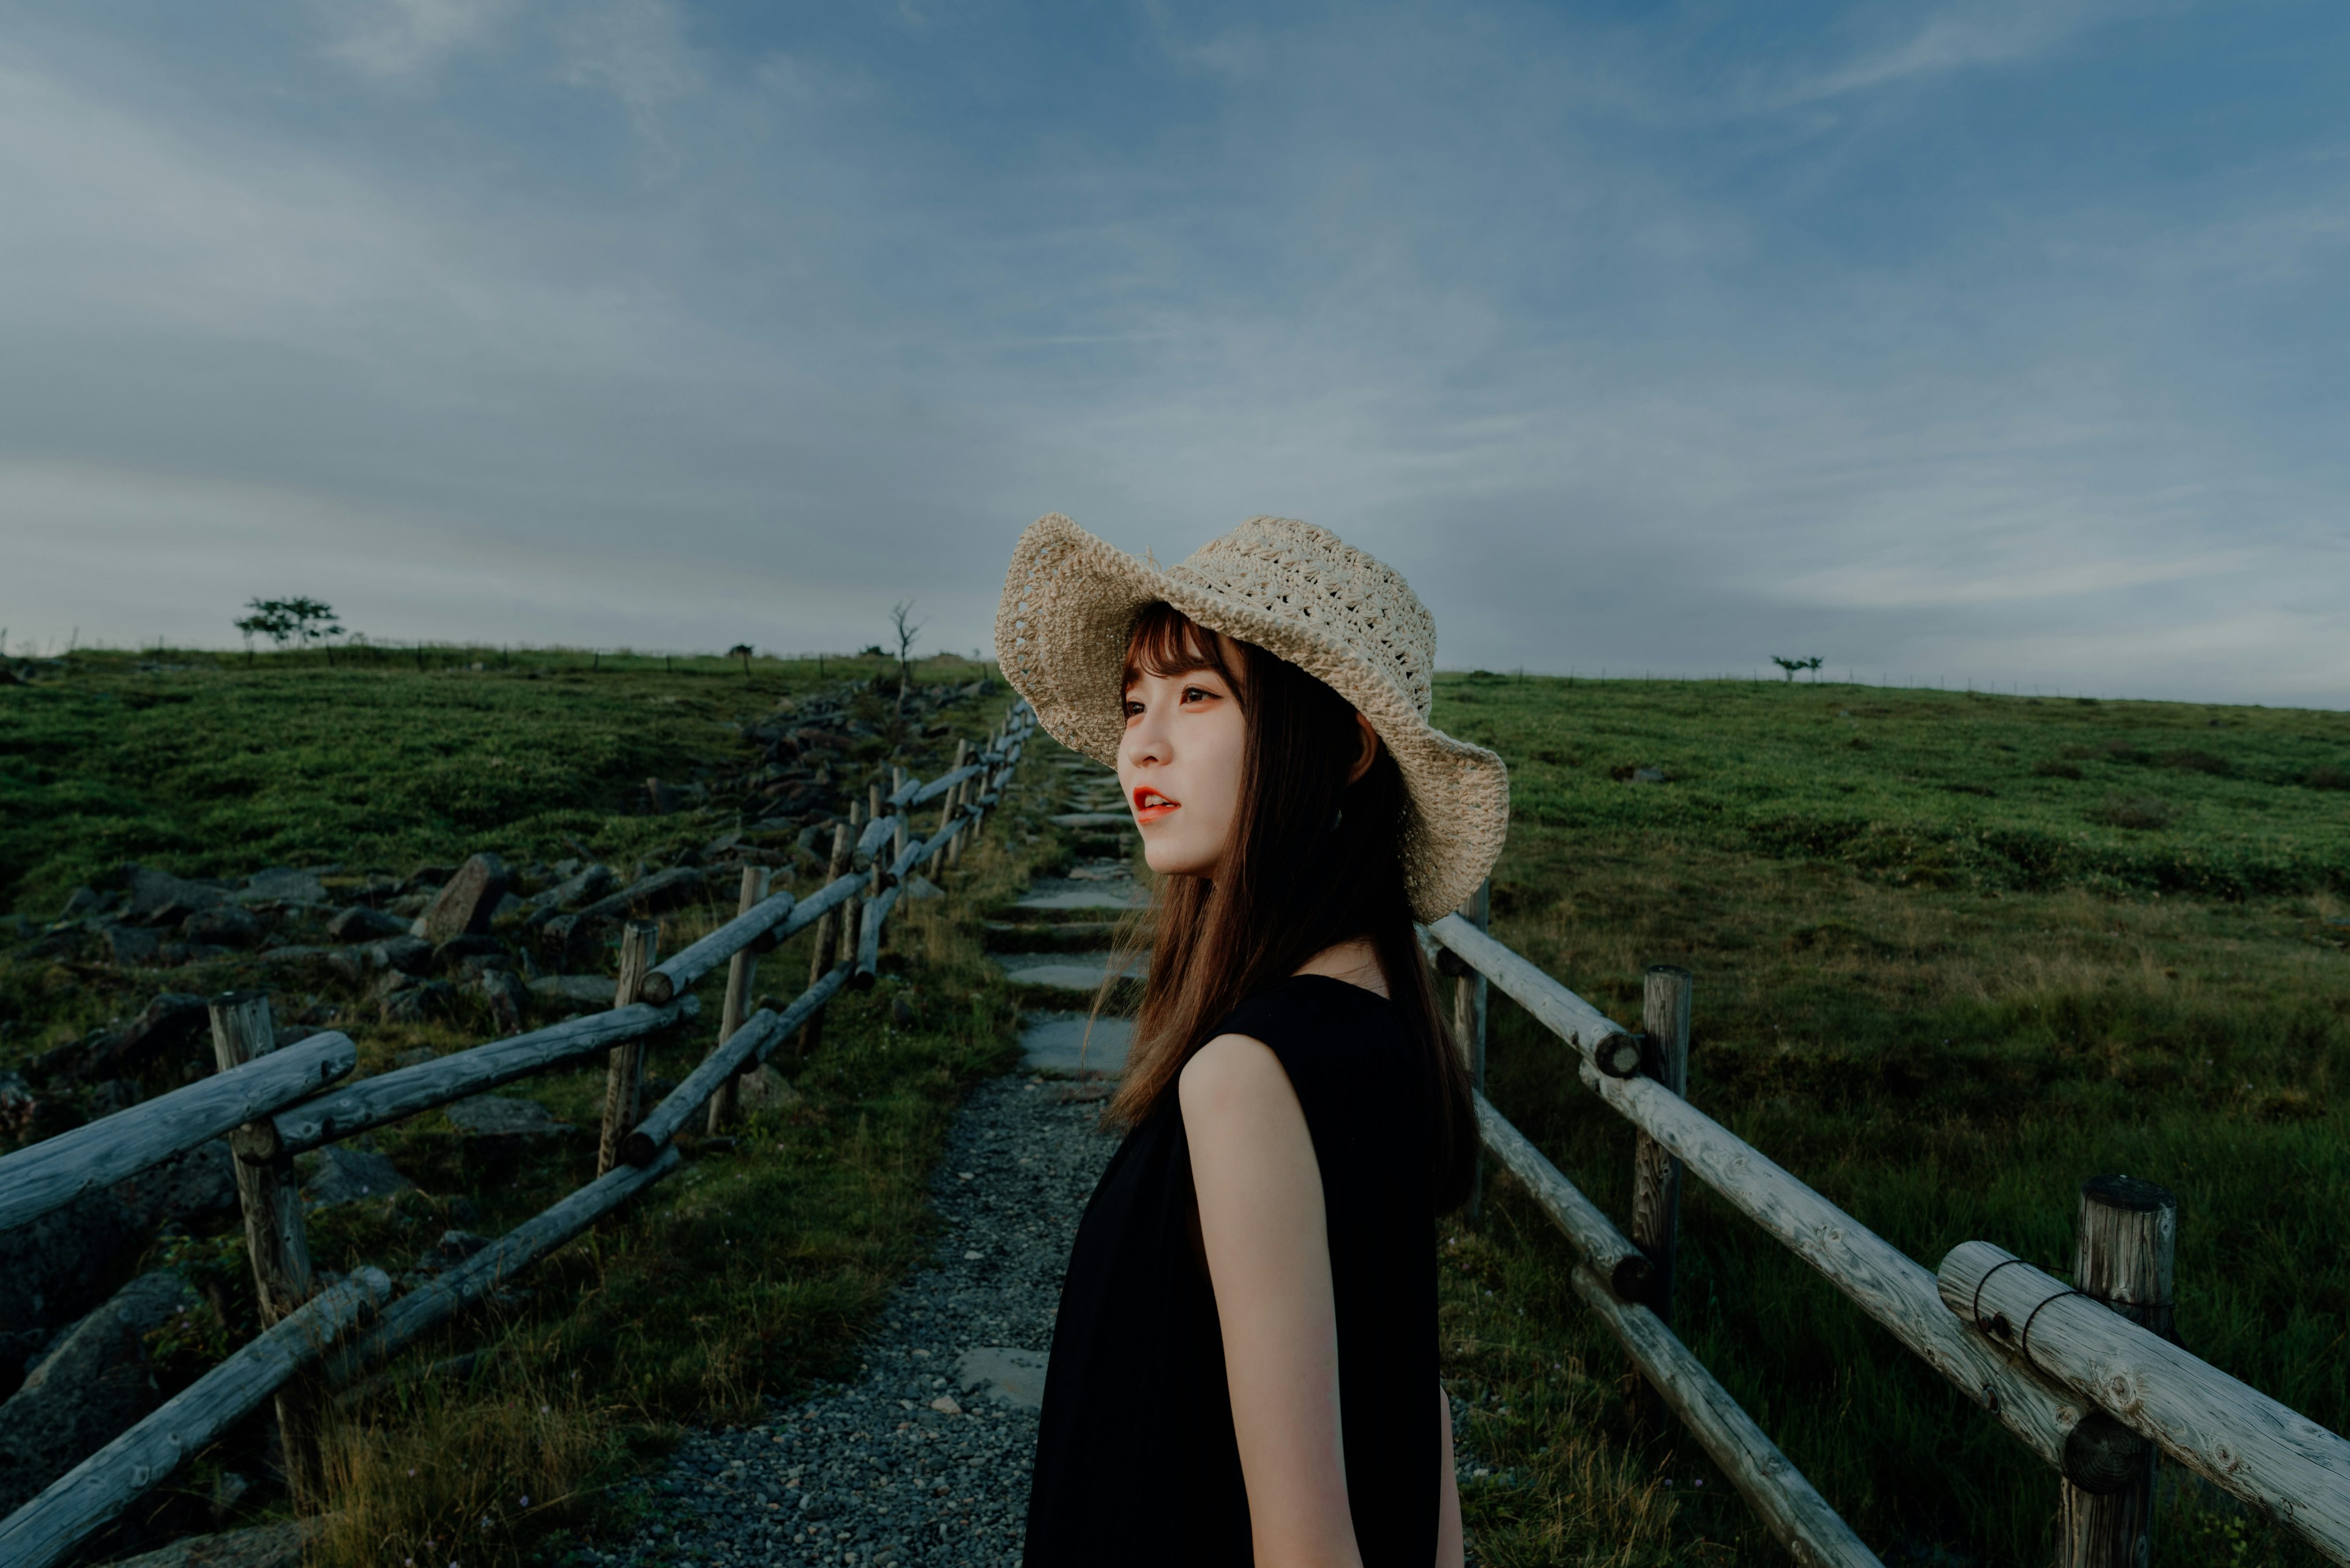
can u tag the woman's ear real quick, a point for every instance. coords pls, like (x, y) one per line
(1371, 752)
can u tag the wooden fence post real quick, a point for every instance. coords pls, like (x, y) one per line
(740, 973)
(844, 842)
(624, 1083)
(898, 835)
(1469, 1029)
(276, 1239)
(2123, 1255)
(1656, 1175)
(947, 806)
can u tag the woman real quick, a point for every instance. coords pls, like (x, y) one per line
(1244, 1364)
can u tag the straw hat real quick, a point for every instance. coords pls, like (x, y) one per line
(1300, 593)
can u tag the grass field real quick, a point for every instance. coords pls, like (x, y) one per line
(1953, 954)
(743, 1276)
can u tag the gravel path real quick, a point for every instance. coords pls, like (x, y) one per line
(904, 1467)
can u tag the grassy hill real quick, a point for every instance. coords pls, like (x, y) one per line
(1953, 954)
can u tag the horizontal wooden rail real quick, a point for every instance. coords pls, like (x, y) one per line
(86, 1497)
(388, 1096)
(751, 1043)
(920, 793)
(1623, 1265)
(486, 1271)
(1781, 1496)
(922, 849)
(1877, 1277)
(679, 973)
(55, 1171)
(1786, 1503)
(1607, 1044)
(2228, 1432)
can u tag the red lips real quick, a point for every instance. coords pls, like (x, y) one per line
(1161, 805)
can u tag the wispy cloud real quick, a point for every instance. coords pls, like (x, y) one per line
(397, 38)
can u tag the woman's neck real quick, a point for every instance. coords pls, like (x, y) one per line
(1356, 962)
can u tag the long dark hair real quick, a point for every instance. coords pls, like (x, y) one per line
(1315, 861)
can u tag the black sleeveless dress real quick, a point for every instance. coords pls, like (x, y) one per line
(1136, 1461)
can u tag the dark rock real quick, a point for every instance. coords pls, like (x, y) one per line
(132, 947)
(453, 1247)
(173, 1025)
(281, 885)
(160, 898)
(341, 1174)
(92, 1384)
(593, 882)
(498, 1126)
(427, 1003)
(509, 908)
(764, 1089)
(359, 924)
(508, 998)
(464, 905)
(222, 925)
(18, 1104)
(458, 951)
(649, 896)
(111, 1095)
(83, 902)
(574, 989)
(409, 955)
(426, 880)
(261, 1546)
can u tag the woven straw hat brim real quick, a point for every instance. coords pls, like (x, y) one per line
(1070, 602)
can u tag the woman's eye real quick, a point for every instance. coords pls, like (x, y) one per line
(1201, 692)
(1133, 708)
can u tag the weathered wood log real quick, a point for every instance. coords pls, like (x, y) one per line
(1623, 1265)
(898, 833)
(754, 1044)
(740, 973)
(388, 1097)
(275, 1240)
(1469, 1026)
(488, 1269)
(877, 833)
(2123, 1251)
(947, 806)
(82, 1500)
(662, 890)
(1553, 1006)
(868, 941)
(965, 767)
(1788, 1504)
(820, 951)
(2230, 1434)
(624, 1081)
(1656, 1174)
(666, 980)
(913, 855)
(53, 1172)
(1875, 1275)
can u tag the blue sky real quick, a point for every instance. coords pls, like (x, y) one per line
(2007, 343)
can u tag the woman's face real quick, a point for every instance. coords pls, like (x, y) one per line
(1179, 765)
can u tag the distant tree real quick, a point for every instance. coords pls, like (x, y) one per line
(741, 650)
(302, 621)
(1791, 665)
(906, 635)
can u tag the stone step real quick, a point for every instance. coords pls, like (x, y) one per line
(1081, 971)
(1055, 893)
(1059, 1043)
(1048, 936)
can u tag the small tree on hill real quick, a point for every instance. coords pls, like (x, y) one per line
(1791, 665)
(302, 621)
(906, 635)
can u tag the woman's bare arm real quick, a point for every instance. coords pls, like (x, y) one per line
(1450, 1550)
(1264, 1228)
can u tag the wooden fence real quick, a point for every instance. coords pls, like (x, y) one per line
(2083, 1373)
(275, 1104)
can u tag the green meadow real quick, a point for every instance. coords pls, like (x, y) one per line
(1953, 954)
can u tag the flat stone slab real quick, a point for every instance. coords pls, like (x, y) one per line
(1066, 893)
(1068, 972)
(1000, 1372)
(1058, 1042)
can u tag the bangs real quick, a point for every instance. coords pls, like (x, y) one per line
(1167, 642)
